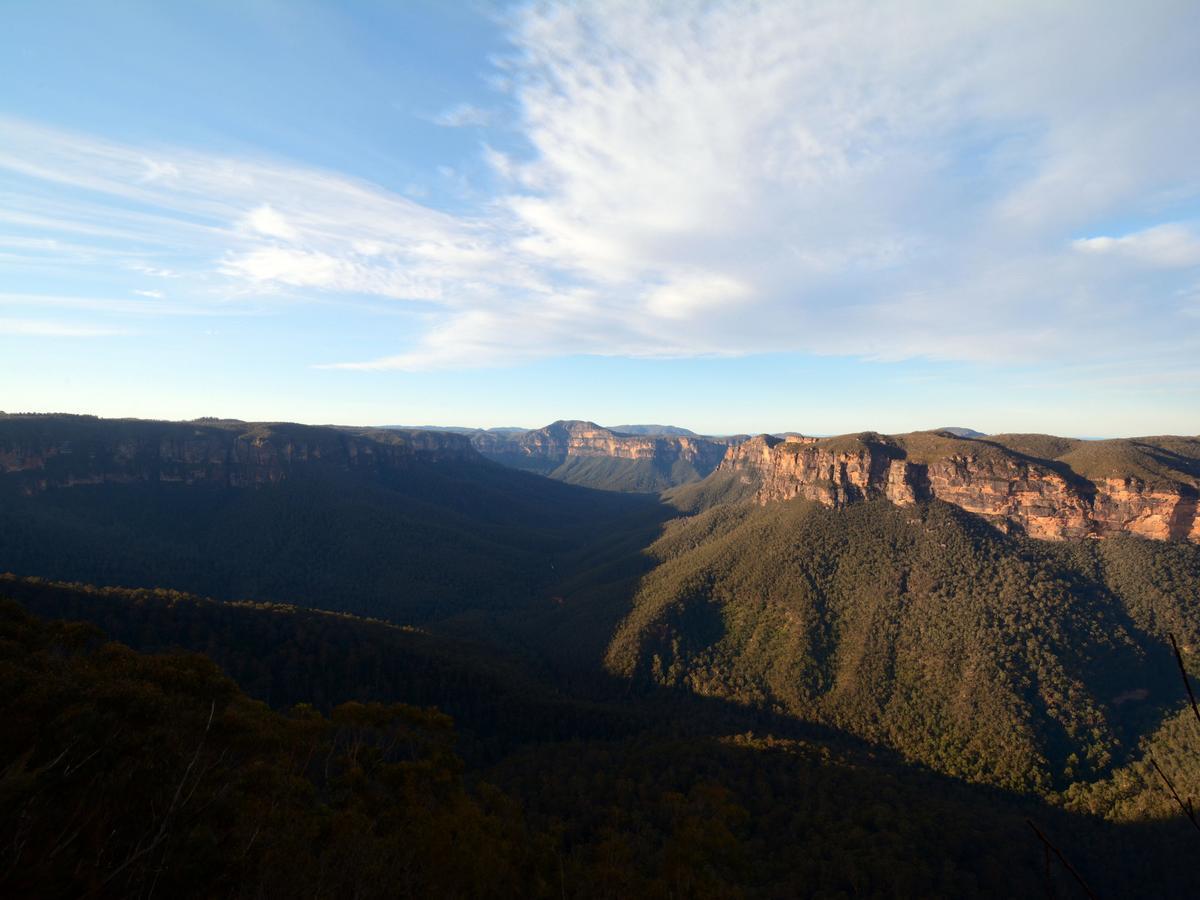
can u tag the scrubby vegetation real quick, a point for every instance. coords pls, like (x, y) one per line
(684, 695)
(125, 774)
(413, 546)
(609, 473)
(992, 658)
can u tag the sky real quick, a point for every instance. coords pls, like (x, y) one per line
(735, 217)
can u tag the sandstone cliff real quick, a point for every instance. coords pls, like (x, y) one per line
(559, 448)
(1144, 486)
(39, 452)
(1048, 487)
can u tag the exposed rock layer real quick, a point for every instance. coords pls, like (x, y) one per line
(40, 452)
(563, 439)
(1045, 498)
(1052, 488)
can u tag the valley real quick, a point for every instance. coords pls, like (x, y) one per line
(587, 454)
(599, 450)
(653, 643)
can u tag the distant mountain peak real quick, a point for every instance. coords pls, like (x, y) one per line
(959, 431)
(668, 430)
(585, 453)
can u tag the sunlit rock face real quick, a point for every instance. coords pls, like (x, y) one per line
(41, 452)
(1043, 498)
(1126, 504)
(1051, 498)
(565, 439)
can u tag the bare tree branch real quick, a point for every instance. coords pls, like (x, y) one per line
(1187, 808)
(1062, 859)
(1183, 674)
(166, 819)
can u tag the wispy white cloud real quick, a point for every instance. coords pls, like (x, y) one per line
(57, 329)
(154, 271)
(463, 115)
(153, 306)
(248, 224)
(1167, 246)
(268, 222)
(156, 170)
(844, 177)
(839, 177)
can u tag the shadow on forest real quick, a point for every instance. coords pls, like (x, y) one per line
(533, 708)
(804, 803)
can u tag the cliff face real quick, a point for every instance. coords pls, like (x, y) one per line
(561, 440)
(41, 452)
(1127, 504)
(1047, 487)
(830, 475)
(1045, 498)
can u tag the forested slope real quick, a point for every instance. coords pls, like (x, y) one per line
(351, 521)
(285, 655)
(588, 454)
(993, 658)
(132, 775)
(684, 695)
(127, 775)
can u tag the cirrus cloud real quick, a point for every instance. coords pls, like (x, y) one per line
(1168, 246)
(882, 181)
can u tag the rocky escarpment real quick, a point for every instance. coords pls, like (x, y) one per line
(547, 449)
(1147, 486)
(39, 452)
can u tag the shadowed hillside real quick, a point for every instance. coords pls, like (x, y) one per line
(588, 454)
(409, 527)
(171, 780)
(993, 658)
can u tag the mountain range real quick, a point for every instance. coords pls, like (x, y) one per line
(1046, 486)
(684, 660)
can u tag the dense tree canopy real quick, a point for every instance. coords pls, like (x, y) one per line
(687, 695)
(992, 658)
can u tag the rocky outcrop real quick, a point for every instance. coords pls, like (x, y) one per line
(831, 475)
(1128, 504)
(561, 440)
(41, 452)
(1043, 498)
(1148, 487)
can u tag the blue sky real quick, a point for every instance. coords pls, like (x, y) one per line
(821, 217)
